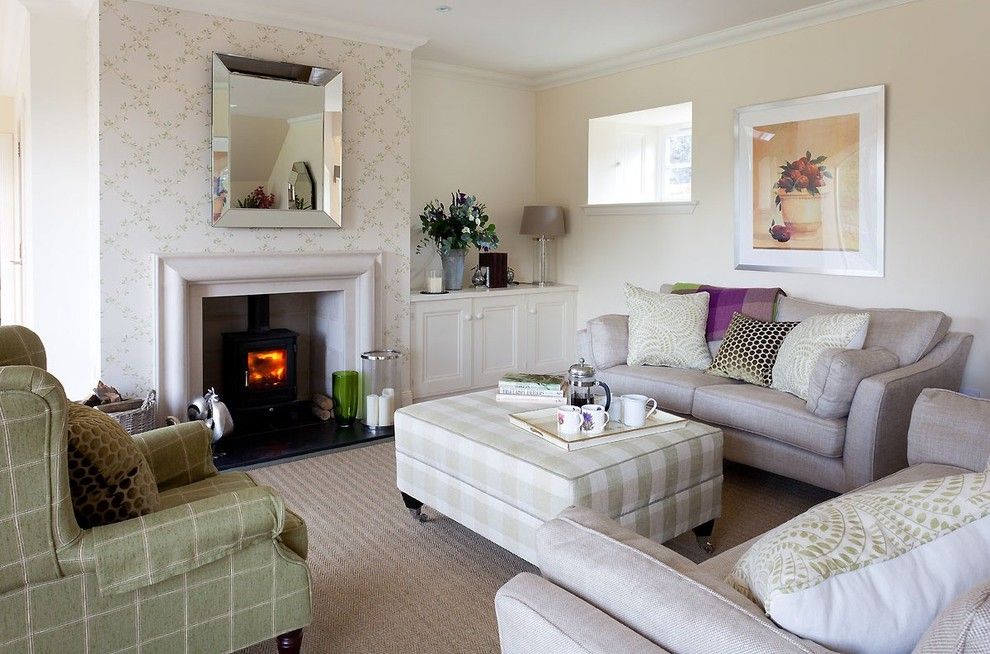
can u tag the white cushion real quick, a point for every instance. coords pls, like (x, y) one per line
(869, 571)
(806, 343)
(667, 330)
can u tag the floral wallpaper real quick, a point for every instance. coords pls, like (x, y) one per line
(155, 102)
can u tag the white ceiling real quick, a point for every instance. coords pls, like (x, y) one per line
(541, 42)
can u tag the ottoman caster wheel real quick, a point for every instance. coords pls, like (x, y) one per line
(703, 533)
(418, 515)
(415, 508)
(706, 544)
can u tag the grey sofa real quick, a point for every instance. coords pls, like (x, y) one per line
(778, 432)
(605, 589)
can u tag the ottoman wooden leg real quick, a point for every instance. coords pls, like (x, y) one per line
(703, 533)
(289, 643)
(415, 507)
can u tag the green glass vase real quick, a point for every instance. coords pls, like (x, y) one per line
(345, 397)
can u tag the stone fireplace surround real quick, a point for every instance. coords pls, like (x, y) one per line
(181, 281)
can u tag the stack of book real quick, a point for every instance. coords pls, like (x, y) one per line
(531, 388)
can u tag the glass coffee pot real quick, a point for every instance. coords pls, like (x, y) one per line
(581, 383)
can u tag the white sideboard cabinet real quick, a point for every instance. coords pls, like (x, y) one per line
(468, 339)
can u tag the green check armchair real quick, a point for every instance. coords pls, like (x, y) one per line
(219, 567)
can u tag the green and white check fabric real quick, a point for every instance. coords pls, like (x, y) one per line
(461, 456)
(219, 568)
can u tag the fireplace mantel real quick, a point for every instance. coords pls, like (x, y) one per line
(181, 281)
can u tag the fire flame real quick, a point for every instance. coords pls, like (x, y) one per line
(266, 368)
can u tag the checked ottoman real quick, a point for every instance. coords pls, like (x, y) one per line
(460, 456)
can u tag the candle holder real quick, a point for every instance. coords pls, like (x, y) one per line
(380, 389)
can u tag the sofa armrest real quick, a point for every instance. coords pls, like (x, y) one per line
(537, 617)
(178, 455)
(143, 551)
(583, 343)
(950, 429)
(652, 590)
(876, 432)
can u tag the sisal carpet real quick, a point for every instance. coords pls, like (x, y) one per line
(384, 584)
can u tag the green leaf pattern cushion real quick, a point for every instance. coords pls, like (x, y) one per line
(109, 479)
(870, 570)
(667, 330)
(806, 343)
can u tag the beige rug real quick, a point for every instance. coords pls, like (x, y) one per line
(383, 583)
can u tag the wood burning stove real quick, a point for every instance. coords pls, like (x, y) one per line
(259, 365)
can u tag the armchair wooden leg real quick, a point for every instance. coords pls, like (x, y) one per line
(289, 643)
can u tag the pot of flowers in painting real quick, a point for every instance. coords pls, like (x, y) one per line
(798, 196)
(452, 229)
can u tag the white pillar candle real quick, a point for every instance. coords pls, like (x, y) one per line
(385, 404)
(388, 391)
(434, 284)
(371, 410)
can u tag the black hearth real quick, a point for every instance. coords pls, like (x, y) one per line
(259, 365)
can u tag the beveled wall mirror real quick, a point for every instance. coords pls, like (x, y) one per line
(276, 144)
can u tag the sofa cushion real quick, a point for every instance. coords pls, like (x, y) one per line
(837, 375)
(109, 479)
(907, 333)
(667, 330)
(869, 571)
(770, 413)
(672, 388)
(963, 628)
(609, 339)
(749, 349)
(722, 564)
(805, 344)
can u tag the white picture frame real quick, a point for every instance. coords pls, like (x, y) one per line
(822, 213)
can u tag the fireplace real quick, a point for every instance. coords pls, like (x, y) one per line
(259, 365)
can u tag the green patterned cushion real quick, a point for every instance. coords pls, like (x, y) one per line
(870, 570)
(667, 330)
(749, 349)
(109, 480)
(805, 344)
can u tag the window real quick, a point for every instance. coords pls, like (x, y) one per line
(642, 156)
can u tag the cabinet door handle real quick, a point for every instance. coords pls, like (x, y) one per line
(478, 316)
(532, 312)
(467, 317)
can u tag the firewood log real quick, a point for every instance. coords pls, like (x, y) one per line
(322, 401)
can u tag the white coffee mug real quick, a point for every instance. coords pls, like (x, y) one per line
(595, 418)
(569, 420)
(634, 409)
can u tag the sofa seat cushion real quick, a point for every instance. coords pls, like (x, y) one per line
(774, 414)
(907, 333)
(294, 534)
(672, 388)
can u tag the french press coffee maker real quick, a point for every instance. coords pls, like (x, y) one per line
(580, 382)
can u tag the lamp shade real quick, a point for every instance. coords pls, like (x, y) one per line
(540, 220)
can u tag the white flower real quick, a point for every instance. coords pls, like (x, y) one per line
(466, 230)
(477, 221)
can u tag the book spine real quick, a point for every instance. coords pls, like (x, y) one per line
(527, 387)
(543, 392)
(529, 399)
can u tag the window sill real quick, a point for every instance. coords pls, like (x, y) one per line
(639, 208)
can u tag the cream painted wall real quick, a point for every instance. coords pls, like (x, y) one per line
(479, 138)
(929, 53)
(61, 236)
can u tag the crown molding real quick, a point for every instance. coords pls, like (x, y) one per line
(255, 12)
(477, 75)
(794, 20)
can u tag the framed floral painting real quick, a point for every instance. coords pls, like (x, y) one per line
(809, 184)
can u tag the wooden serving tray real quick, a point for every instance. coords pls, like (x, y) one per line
(543, 423)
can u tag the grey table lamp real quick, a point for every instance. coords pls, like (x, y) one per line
(544, 223)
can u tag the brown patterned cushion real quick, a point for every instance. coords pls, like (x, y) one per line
(109, 479)
(750, 349)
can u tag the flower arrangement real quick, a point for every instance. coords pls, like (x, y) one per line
(257, 199)
(807, 174)
(458, 226)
